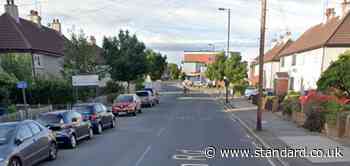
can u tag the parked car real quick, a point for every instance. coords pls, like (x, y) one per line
(155, 95)
(68, 126)
(98, 114)
(250, 92)
(127, 104)
(26, 143)
(146, 98)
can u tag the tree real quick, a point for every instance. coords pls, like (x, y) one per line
(80, 56)
(174, 71)
(17, 65)
(236, 70)
(216, 71)
(337, 75)
(126, 57)
(156, 64)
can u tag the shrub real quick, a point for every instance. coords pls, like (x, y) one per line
(290, 103)
(113, 87)
(315, 120)
(11, 109)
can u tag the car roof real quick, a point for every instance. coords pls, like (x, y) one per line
(10, 123)
(85, 104)
(127, 94)
(59, 112)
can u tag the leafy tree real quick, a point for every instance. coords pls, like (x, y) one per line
(236, 70)
(216, 71)
(17, 65)
(337, 75)
(156, 64)
(80, 56)
(126, 57)
(174, 71)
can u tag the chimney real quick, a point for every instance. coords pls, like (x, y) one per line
(11, 9)
(287, 36)
(274, 43)
(345, 7)
(92, 40)
(330, 13)
(56, 25)
(34, 17)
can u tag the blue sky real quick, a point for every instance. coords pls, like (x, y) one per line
(172, 26)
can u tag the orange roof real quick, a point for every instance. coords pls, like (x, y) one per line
(335, 32)
(200, 58)
(274, 53)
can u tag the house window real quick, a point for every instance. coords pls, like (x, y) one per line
(294, 60)
(282, 62)
(37, 60)
(291, 83)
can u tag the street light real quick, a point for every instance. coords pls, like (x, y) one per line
(227, 83)
(228, 29)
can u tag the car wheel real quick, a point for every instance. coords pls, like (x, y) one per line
(91, 133)
(53, 151)
(15, 162)
(99, 128)
(140, 111)
(134, 113)
(73, 142)
(113, 124)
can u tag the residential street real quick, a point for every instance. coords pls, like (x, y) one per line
(165, 135)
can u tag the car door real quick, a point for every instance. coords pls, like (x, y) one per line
(82, 126)
(99, 114)
(26, 146)
(41, 141)
(107, 118)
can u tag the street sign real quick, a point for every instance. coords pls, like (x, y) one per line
(22, 85)
(85, 80)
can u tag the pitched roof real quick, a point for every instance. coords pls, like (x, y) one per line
(25, 36)
(335, 32)
(200, 58)
(274, 53)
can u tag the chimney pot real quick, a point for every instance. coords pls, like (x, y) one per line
(12, 9)
(56, 25)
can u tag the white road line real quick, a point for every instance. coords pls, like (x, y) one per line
(143, 155)
(160, 132)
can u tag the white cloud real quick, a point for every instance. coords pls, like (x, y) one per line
(174, 25)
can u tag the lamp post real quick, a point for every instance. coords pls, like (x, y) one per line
(228, 29)
(227, 83)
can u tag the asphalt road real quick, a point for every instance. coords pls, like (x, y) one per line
(171, 134)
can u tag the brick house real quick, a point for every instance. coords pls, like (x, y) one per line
(21, 37)
(311, 54)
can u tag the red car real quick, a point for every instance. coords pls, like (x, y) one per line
(127, 104)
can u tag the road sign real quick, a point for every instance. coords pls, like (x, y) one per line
(22, 85)
(85, 80)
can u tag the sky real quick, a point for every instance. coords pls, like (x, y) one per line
(173, 26)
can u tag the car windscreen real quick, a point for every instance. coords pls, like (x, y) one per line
(6, 131)
(142, 94)
(84, 109)
(47, 119)
(149, 89)
(125, 99)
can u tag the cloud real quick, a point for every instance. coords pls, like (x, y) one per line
(171, 26)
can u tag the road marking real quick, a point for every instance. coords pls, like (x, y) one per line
(160, 132)
(143, 155)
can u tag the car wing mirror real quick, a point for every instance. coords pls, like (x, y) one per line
(74, 120)
(109, 110)
(18, 141)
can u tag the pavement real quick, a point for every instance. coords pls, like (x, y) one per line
(174, 133)
(279, 133)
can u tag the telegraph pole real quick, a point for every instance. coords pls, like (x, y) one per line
(261, 64)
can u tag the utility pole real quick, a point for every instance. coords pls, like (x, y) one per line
(228, 29)
(261, 64)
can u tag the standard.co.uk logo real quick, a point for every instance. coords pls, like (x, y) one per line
(226, 153)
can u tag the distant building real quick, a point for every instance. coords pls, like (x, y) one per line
(43, 45)
(195, 63)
